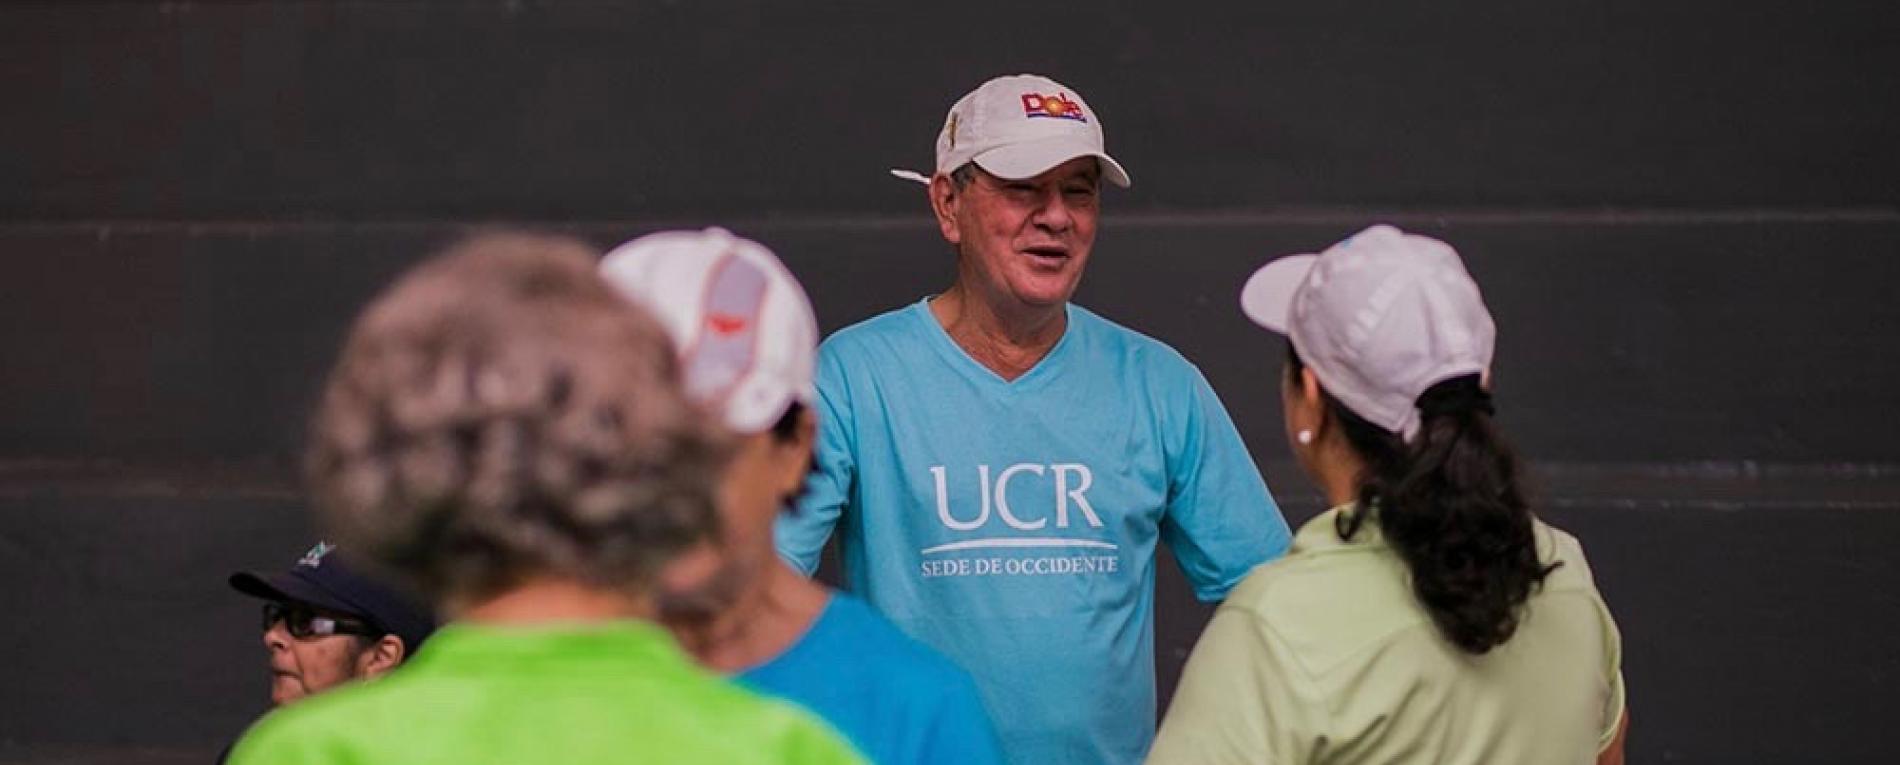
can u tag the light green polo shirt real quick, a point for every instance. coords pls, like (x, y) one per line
(615, 692)
(1325, 656)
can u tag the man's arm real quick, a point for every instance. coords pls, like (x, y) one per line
(1220, 522)
(801, 533)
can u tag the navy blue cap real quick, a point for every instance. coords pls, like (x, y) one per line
(323, 579)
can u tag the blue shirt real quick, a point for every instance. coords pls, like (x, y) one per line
(1012, 524)
(896, 700)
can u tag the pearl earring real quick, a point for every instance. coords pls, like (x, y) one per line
(1304, 436)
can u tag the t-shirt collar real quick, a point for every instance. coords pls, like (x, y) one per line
(954, 354)
(1322, 532)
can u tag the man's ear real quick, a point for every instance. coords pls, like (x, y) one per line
(944, 198)
(387, 653)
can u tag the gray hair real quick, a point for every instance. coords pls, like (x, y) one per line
(501, 414)
(963, 175)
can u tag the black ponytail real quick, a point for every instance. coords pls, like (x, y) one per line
(1449, 504)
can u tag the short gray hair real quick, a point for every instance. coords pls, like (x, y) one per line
(500, 414)
(963, 175)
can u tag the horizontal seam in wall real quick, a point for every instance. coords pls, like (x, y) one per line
(1607, 216)
(1708, 485)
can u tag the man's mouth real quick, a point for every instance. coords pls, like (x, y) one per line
(1049, 254)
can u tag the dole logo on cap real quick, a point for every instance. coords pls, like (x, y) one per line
(1058, 106)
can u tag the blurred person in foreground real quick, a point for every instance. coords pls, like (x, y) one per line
(1429, 616)
(506, 432)
(747, 339)
(1001, 465)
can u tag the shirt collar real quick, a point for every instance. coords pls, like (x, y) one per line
(1322, 532)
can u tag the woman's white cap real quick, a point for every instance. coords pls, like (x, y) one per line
(1379, 318)
(745, 332)
(1018, 127)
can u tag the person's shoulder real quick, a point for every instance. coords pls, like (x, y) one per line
(758, 722)
(897, 669)
(1554, 545)
(333, 721)
(897, 324)
(748, 726)
(911, 681)
(1150, 355)
(889, 654)
(1104, 329)
(1273, 588)
(1325, 607)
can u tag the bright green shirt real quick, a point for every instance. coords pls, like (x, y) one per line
(1325, 656)
(617, 692)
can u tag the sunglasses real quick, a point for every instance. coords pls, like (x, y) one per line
(303, 622)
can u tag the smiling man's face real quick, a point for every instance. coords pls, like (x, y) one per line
(1026, 241)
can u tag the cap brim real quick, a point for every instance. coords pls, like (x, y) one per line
(284, 588)
(1268, 297)
(1028, 160)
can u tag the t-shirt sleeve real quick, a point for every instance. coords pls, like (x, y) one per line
(1616, 702)
(960, 731)
(1220, 521)
(1241, 700)
(1569, 550)
(801, 534)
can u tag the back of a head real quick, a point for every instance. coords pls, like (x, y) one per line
(1449, 502)
(1400, 340)
(501, 414)
(743, 325)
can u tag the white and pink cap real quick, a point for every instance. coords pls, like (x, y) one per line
(1379, 318)
(745, 331)
(1020, 126)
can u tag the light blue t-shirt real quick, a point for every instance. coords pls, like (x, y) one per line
(1012, 524)
(896, 700)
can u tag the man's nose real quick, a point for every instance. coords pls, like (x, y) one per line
(276, 637)
(1053, 211)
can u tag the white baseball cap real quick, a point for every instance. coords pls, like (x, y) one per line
(1019, 127)
(744, 329)
(1379, 318)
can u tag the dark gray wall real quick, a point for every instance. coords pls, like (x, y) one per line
(1684, 215)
